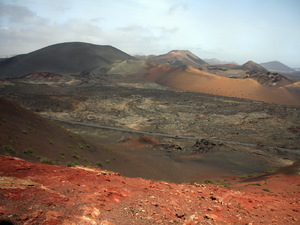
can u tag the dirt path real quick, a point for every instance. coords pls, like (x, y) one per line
(166, 135)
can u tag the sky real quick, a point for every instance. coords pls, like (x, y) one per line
(229, 30)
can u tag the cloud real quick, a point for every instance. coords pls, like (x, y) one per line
(152, 4)
(142, 39)
(131, 38)
(37, 29)
(18, 15)
(151, 31)
(177, 7)
(13, 39)
(153, 26)
(97, 20)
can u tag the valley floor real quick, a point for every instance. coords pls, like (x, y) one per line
(155, 109)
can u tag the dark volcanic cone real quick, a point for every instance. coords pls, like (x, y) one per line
(63, 58)
(250, 65)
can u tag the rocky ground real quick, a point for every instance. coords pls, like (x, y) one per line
(152, 108)
(166, 111)
(35, 193)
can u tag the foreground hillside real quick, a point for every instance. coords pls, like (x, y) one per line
(35, 193)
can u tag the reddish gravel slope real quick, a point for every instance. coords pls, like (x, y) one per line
(35, 193)
(188, 78)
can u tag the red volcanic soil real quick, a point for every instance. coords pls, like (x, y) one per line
(154, 71)
(43, 75)
(188, 78)
(35, 193)
(140, 142)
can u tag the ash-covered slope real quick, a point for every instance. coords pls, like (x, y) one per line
(26, 135)
(188, 78)
(178, 58)
(64, 58)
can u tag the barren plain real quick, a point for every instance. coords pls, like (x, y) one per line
(243, 136)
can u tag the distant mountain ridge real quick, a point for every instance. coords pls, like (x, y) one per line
(62, 58)
(276, 66)
(215, 61)
(177, 58)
